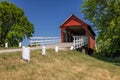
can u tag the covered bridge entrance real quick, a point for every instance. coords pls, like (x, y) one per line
(74, 26)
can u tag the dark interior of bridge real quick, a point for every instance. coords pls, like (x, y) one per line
(73, 31)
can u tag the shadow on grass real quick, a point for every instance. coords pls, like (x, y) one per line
(3, 48)
(115, 61)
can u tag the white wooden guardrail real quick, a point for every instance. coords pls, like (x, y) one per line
(44, 40)
(79, 41)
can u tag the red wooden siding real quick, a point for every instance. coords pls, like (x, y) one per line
(91, 43)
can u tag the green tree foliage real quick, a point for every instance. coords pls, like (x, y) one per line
(105, 16)
(14, 25)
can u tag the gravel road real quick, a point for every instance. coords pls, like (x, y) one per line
(62, 46)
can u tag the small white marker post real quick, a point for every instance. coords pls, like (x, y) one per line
(6, 45)
(20, 44)
(26, 53)
(71, 48)
(56, 48)
(43, 50)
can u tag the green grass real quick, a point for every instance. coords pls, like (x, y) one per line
(65, 65)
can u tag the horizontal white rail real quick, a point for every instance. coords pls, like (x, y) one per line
(44, 40)
(44, 37)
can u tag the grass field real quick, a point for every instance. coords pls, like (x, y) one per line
(65, 65)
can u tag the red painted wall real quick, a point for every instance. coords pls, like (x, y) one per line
(91, 42)
(72, 22)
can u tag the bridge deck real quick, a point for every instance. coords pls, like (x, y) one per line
(62, 46)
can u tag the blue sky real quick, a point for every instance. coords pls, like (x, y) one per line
(47, 15)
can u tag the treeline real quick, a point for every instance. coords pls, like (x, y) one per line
(14, 25)
(104, 16)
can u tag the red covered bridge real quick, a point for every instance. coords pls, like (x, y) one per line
(74, 26)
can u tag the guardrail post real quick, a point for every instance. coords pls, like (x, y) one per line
(20, 44)
(73, 42)
(43, 50)
(71, 48)
(6, 45)
(56, 48)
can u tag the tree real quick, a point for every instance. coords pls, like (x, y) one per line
(105, 16)
(14, 25)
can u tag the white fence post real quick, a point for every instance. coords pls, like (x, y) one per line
(71, 48)
(6, 45)
(56, 48)
(26, 53)
(73, 42)
(20, 44)
(43, 50)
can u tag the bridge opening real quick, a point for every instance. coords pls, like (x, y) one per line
(73, 31)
